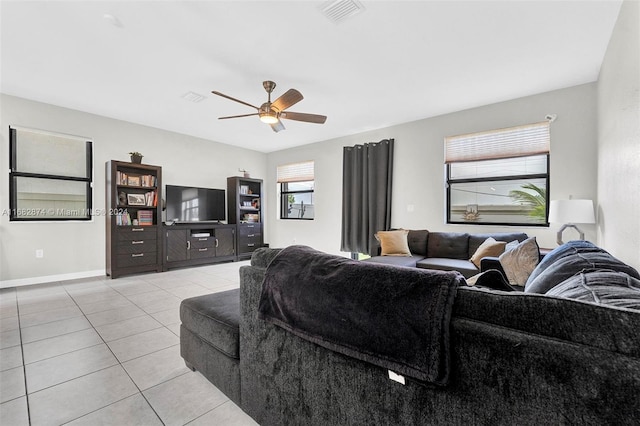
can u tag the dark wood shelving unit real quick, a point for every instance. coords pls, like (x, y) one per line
(133, 192)
(244, 209)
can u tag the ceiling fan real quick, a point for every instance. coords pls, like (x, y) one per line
(271, 112)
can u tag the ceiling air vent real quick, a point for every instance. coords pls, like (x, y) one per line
(193, 97)
(339, 10)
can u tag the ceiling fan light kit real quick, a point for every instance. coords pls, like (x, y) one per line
(271, 112)
(267, 115)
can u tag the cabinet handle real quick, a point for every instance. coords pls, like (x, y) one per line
(137, 242)
(202, 239)
(188, 244)
(137, 229)
(203, 249)
(251, 226)
(251, 235)
(137, 255)
(250, 245)
(216, 242)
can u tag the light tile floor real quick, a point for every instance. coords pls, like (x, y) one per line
(106, 352)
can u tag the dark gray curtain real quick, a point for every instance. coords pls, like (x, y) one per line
(367, 172)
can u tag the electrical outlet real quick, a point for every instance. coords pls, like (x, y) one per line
(39, 253)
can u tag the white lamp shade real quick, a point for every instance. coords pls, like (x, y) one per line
(571, 211)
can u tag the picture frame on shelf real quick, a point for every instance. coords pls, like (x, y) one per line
(136, 200)
(133, 180)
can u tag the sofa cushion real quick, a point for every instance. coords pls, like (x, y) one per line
(215, 319)
(572, 264)
(451, 245)
(489, 247)
(417, 240)
(602, 287)
(475, 240)
(393, 243)
(465, 267)
(572, 247)
(408, 261)
(520, 262)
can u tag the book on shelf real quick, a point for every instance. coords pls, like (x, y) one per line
(151, 198)
(251, 217)
(145, 217)
(123, 219)
(123, 178)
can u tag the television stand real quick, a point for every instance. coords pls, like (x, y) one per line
(192, 244)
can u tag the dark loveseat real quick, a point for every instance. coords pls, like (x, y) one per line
(515, 358)
(445, 251)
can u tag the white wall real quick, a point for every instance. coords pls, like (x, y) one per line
(419, 171)
(77, 249)
(619, 139)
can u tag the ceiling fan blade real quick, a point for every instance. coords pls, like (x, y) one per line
(301, 116)
(291, 97)
(237, 116)
(234, 99)
(277, 126)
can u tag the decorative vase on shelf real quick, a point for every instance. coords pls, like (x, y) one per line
(136, 157)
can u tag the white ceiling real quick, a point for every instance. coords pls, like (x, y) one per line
(394, 62)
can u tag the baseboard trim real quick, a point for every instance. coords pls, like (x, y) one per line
(52, 278)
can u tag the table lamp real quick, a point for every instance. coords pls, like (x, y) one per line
(570, 212)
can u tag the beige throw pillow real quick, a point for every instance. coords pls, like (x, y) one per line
(489, 247)
(520, 262)
(393, 243)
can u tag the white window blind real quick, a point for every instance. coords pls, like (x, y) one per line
(296, 172)
(520, 141)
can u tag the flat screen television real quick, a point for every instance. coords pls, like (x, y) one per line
(190, 204)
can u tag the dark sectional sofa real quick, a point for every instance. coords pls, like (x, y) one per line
(565, 357)
(445, 251)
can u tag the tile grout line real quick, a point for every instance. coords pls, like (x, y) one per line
(204, 414)
(24, 365)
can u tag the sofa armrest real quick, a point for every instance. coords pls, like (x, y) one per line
(489, 262)
(263, 256)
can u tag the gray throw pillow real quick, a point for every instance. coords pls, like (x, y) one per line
(567, 249)
(519, 262)
(572, 264)
(602, 287)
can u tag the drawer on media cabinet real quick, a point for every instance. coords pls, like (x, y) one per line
(128, 233)
(137, 246)
(249, 244)
(202, 242)
(202, 252)
(249, 229)
(137, 259)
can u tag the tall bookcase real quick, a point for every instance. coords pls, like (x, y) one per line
(244, 208)
(134, 218)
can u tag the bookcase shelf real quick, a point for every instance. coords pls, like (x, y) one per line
(133, 225)
(244, 209)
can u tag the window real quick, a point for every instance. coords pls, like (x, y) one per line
(296, 183)
(50, 176)
(499, 177)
